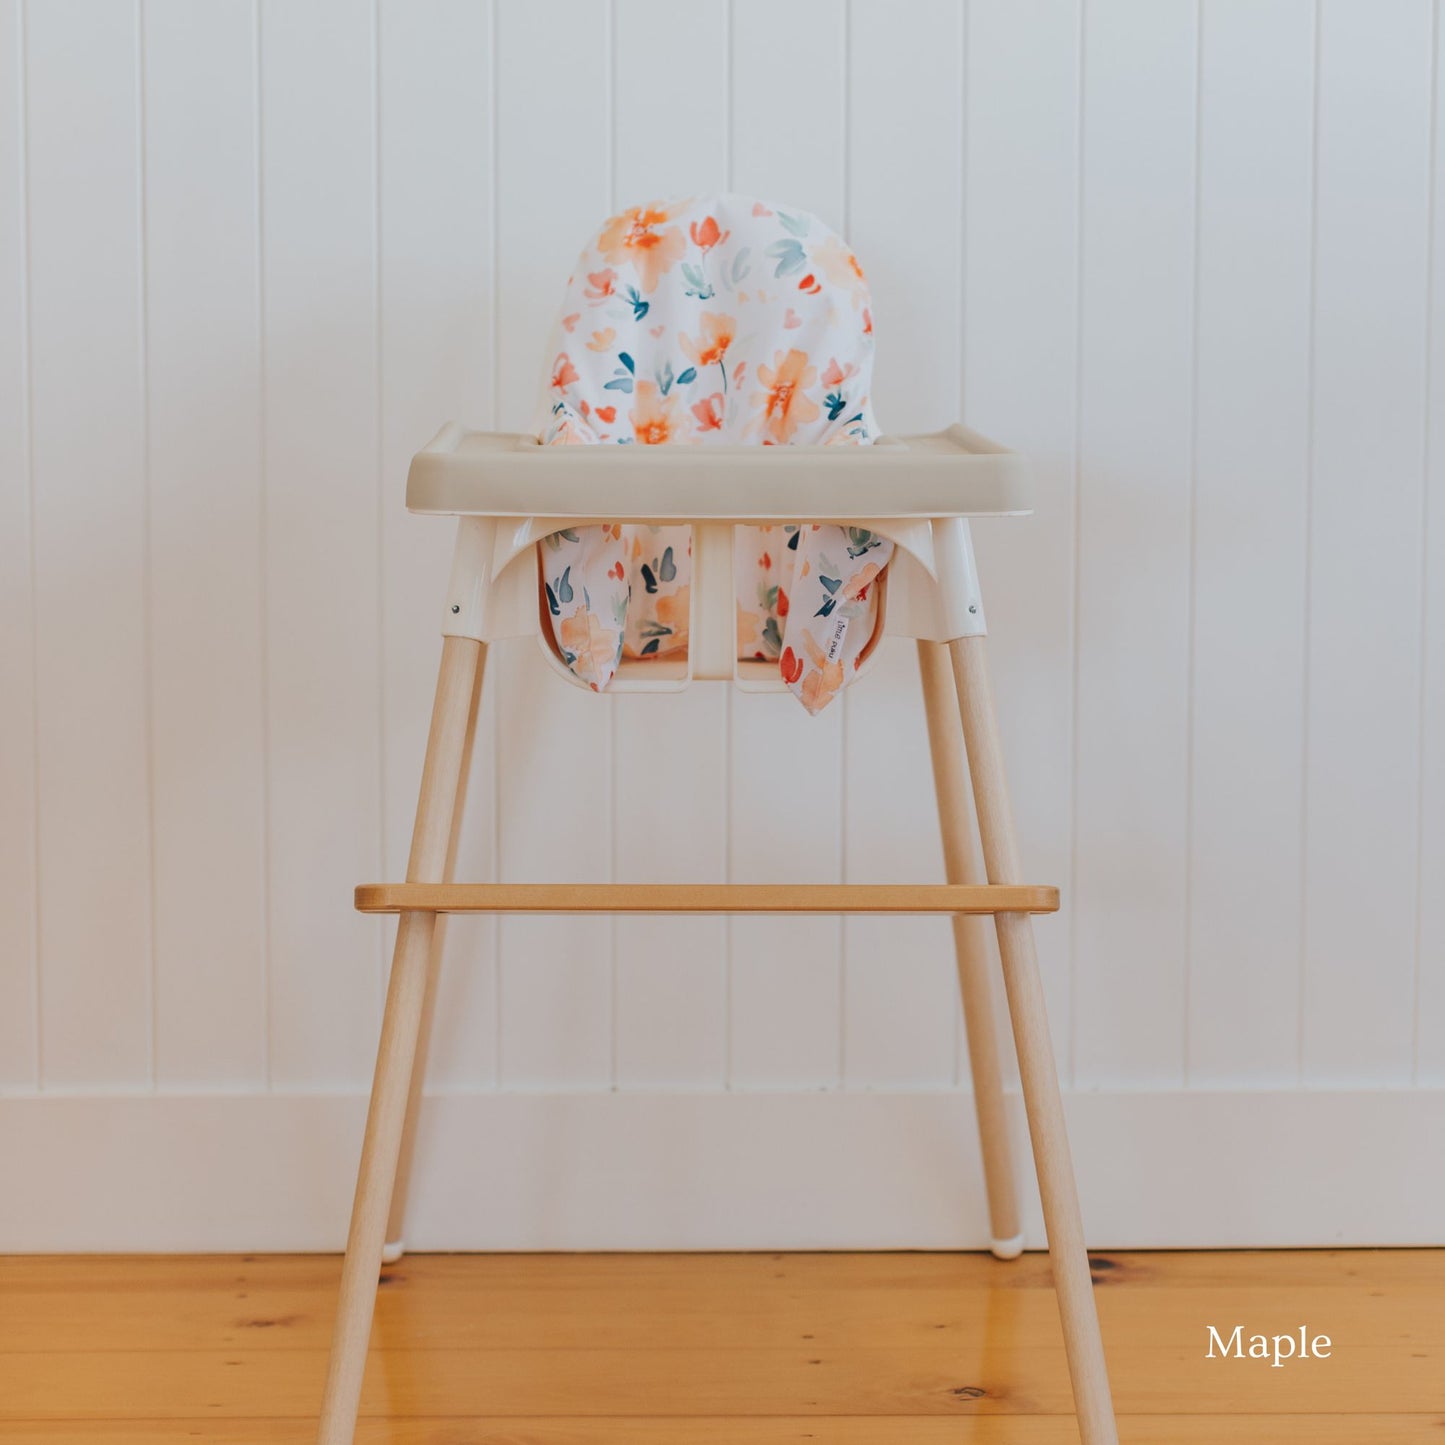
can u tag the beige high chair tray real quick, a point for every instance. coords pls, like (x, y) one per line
(509, 492)
(950, 473)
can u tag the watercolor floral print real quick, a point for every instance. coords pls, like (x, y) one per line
(717, 319)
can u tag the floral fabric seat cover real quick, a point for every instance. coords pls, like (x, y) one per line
(718, 319)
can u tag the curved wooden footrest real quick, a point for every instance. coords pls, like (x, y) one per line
(706, 898)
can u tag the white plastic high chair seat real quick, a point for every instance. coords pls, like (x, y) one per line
(918, 491)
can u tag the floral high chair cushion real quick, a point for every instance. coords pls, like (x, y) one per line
(715, 320)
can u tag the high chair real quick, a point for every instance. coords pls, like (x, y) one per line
(507, 492)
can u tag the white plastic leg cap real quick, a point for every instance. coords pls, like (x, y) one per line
(392, 1250)
(1007, 1248)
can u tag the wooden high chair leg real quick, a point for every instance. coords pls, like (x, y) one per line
(401, 1024)
(970, 942)
(1042, 1101)
(395, 1245)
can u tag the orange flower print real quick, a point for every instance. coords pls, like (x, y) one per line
(569, 434)
(705, 234)
(602, 340)
(750, 630)
(606, 414)
(635, 237)
(602, 286)
(858, 585)
(594, 647)
(712, 345)
(674, 610)
(835, 375)
(841, 267)
(708, 412)
(790, 665)
(569, 323)
(821, 686)
(782, 603)
(563, 372)
(654, 417)
(784, 401)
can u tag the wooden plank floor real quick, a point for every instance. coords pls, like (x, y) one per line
(873, 1349)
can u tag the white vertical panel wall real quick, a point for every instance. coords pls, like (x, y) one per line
(203, 352)
(322, 497)
(1251, 460)
(1363, 717)
(1187, 255)
(19, 1016)
(1131, 539)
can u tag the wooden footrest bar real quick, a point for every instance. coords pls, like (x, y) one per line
(706, 898)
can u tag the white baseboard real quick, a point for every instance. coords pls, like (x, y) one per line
(521, 1171)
